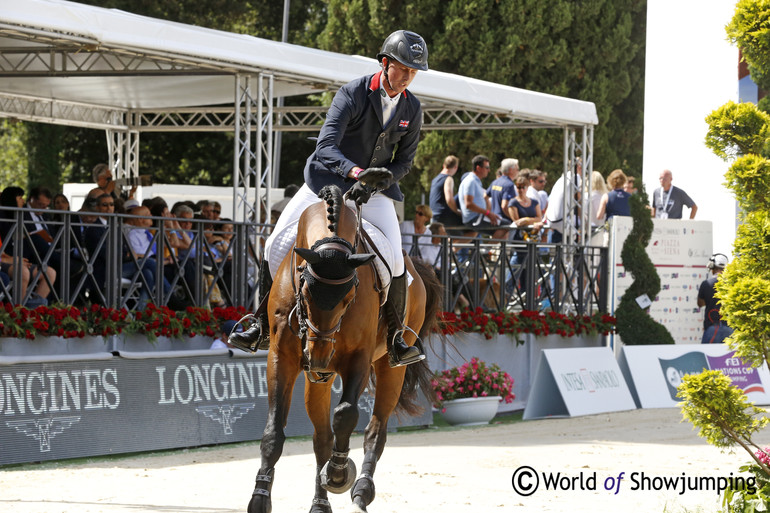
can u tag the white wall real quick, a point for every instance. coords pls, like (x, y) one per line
(691, 70)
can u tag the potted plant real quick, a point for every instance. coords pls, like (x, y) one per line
(468, 395)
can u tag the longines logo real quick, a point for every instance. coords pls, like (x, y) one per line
(226, 414)
(43, 430)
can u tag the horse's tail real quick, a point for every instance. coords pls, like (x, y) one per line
(418, 375)
(332, 195)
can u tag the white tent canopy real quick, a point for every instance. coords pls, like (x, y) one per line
(74, 64)
(64, 51)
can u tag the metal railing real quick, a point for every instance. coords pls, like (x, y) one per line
(499, 275)
(92, 266)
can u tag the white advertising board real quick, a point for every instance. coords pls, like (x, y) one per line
(679, 250)
(577, 381)
(654, 372)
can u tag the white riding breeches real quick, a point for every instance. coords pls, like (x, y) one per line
(379, 211)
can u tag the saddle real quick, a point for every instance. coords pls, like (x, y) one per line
(383, 263)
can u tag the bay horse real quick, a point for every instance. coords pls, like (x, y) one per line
(324, 320)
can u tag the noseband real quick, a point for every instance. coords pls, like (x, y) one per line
(300, 307)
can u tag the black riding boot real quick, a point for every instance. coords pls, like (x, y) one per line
(398, 352)
(258, 334)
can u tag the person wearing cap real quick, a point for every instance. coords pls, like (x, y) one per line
(228, 327)
(373, 121)
(715, 328)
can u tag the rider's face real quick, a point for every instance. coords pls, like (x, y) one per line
(399, 77)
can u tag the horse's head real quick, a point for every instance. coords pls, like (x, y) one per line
(328, 283)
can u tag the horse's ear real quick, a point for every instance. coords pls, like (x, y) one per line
(357, 260)
(310, 256)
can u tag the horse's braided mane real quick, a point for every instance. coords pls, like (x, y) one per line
(332, 195)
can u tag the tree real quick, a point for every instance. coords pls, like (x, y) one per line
(635, 326)
(13, 153)
(592, 50)
(738, 133)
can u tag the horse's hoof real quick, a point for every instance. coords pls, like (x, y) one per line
(260, 504)
(321, 506)
(349, 478)
(363, 491)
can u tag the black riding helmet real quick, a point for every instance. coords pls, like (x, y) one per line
(406, 47)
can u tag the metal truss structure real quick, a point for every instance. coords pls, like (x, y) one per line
(252, 116)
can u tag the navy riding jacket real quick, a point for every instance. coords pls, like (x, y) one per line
(353, 135)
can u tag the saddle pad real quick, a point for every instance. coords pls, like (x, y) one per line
(284, 242)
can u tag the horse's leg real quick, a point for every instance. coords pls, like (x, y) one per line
(338, 474)
(282, 371)
(389, 381)
(318, 404)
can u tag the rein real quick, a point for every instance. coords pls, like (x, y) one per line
(300, 310)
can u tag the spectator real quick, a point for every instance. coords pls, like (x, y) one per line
(598, 190)
(668, 200)
(524, 211)
(228, 327)
(615, 202)
(184, 215)
(630, 186)
(442, 195)
(39, 198)
(474, 203)
(555, 213)
(102, 175)
(536, 189)
(416, 230)
(14, 197)
(502, 189)
(140, 238)
(204, 208)
(715, 329)
(28, 271)
(216, 210)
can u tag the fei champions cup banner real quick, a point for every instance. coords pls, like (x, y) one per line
(654, 372)
(679, 250)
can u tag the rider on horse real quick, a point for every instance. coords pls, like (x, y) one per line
(373, 121)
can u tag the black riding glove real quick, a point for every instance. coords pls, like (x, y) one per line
(377, 178)
(360, 193)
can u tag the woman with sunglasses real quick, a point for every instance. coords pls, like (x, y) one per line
(411, 231)
(527, 217)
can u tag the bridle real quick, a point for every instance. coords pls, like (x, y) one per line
(300, 308)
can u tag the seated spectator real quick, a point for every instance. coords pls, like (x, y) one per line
(28, 271)
(615, 202)
(184, 214)
(35, 248)
(474, 203)
(60, 204)
(177, 271)
(39, 198)
(410, 228)
(216, 210)
(140, 242)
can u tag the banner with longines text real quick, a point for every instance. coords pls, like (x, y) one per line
(109, 404)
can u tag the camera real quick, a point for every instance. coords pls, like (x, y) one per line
(134, 181)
